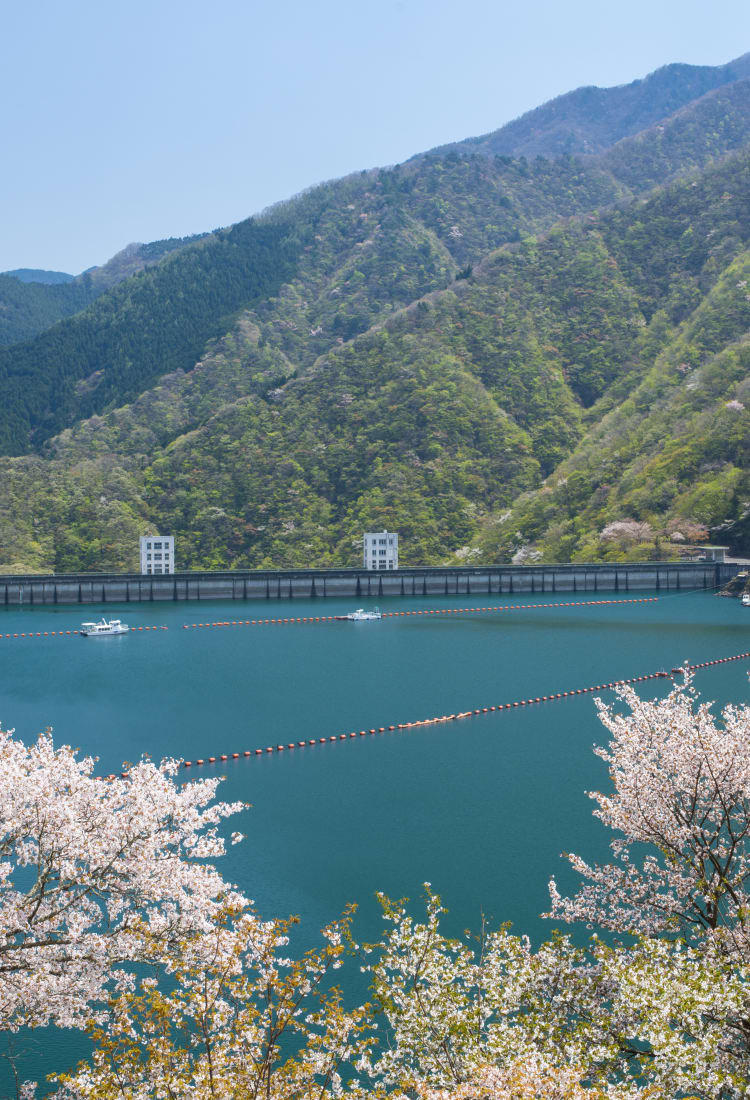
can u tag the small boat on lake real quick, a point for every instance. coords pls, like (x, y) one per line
(103, 628)
(362, 616)
(746, 599)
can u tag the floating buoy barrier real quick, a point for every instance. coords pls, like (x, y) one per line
(426, 611)
(339, 618)
(69, 633)
(661, 674)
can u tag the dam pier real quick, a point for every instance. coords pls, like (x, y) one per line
(284, 584)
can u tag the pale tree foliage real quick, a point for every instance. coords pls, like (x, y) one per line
(246, 1022)
(657, 1019)
(95, 875)
(526, 555)
(687, 1011)
(680, 804)
(490, 1020)
(454, 1008)
(627, 532)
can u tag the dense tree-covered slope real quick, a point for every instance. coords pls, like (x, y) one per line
(569, 359)
(493, 356)
(669, 445)
(135, 257)
(591, 119)
(450, 408)
(349, 254)
(702, 132)
(33, 300)
(145, 326)
(27, 308)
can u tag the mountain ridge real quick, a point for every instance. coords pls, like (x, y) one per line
(39, 275)
(667, 90)
(451, 339)
(610, 114)
(518, 197)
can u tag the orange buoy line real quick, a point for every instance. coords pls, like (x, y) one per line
(246, 753)
(335, 618)
(425, 611)
(70, 633)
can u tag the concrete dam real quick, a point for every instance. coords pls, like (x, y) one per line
(284, 584)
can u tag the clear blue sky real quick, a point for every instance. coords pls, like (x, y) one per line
(153, 118)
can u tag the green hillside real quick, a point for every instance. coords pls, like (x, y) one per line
(154, 322)
(674, 455)
(28, 308)
(435, 422)
(454, 407)
(496, 357)
(135, 257)
(32, 300)
(348, 253)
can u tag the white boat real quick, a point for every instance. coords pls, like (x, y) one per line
(362, 616)
(103, 628)
(746, 599)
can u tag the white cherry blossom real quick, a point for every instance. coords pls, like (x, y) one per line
(95, 874)
(680, 804)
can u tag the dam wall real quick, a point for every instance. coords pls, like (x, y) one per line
(488, 580)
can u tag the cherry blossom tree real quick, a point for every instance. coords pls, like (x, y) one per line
(685, 1012)
(96, 874)
(665, 1013)
(680, 805)
(627, 532)
(495, 1019)
(244, 1021)
(456, 1007)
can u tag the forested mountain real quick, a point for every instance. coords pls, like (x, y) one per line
(145, 326)
(349, 252)
(669, 445)
(591, 119)
(28, 308)
(32, 300)
(135, 257)
(353, 251)
(494, 356)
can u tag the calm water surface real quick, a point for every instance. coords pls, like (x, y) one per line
(480, 808)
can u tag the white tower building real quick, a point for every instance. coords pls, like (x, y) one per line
(380, 550)
(157, 553)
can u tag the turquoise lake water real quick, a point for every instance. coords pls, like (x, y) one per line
(480, 808)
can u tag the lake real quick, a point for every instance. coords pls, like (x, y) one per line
(480, 808)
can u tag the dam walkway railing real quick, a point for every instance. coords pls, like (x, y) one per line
(283, 584)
